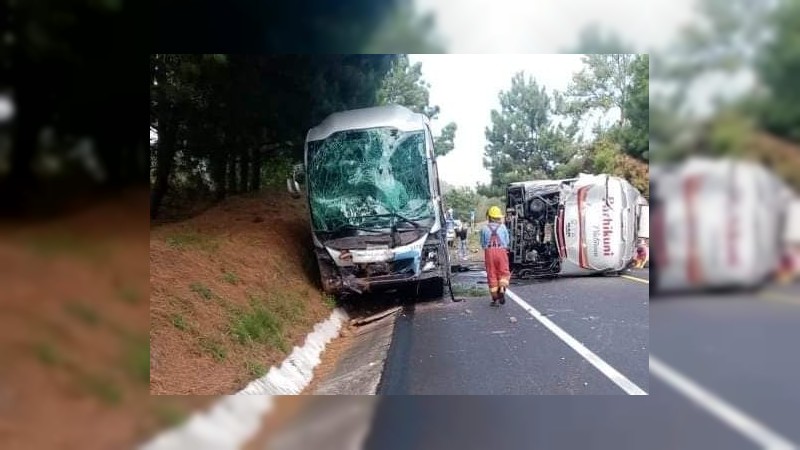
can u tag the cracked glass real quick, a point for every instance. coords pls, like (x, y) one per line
(374, 178)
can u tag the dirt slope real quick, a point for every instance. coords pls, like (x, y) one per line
(231, 292)
(73, 331)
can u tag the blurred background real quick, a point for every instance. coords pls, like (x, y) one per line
(74, 353)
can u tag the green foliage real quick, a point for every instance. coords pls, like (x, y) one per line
(276, 170)
(404, 85)
(462, 200)
(234, 123)
(604, 83)
(169, 414)
(137, 358)
(214, 347)
(129, 294)
(230, 277)
(605, 153)
(255, 369)
(83, 312)
(48, 354)
(258, 324)
(524, 143)
(201, 290)
(102, 387)
(329, 301)
(443, 143)
(778, 66)
(634, 134)
(192, 240)
(179, 322)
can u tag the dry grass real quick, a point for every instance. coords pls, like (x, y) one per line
(230, 294)
(73, 329)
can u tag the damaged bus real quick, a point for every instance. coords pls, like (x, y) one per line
(584, 225)
(374, 199)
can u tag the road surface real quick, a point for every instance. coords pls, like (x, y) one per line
(528, 346)
(726, 377)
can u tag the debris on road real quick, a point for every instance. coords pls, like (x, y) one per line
(374, 317)
(512, 320)
(467, 311)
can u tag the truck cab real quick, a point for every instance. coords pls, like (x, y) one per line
(582, 225)
(375, 204)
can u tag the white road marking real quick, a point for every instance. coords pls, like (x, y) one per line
(780, 297)
(613, 374)
(640, 280)
(739, 421)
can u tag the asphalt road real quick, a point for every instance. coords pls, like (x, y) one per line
(736, 355)
(473, 348)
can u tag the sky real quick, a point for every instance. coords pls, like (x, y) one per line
(551, 26)
(466, 88)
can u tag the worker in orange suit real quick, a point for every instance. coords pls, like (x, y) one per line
(494, 241)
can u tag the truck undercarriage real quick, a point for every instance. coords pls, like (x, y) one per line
(531, 214)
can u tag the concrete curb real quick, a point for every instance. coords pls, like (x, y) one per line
(229, 424)
(294, 374)
(235, 419)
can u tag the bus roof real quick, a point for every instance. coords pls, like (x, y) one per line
(395, 116)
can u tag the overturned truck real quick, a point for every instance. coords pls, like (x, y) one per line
(589, 224)
(375, 204)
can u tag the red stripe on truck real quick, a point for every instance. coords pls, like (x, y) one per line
(693, 268)
(582, 192)
(561, 239)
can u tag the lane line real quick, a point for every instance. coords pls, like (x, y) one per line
(640, 280)
(780, 297)
(719, 408)
(613, 374)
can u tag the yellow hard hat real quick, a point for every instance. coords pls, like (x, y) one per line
(494, 213)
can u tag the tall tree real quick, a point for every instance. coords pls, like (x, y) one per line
(634, 135)
(444, 143)
(462, 200)
(404, 85)
(523, 141)
(603, 84)
(223, 121)
(778, 66)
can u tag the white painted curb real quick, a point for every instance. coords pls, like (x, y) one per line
(229, 424)
(296, 371)
(234, 419)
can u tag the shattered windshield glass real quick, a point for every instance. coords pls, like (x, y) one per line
(369, 179)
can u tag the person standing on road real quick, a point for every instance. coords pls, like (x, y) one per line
(462, 237)
(494, 241)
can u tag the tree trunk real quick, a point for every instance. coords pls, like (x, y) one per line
(244, 170)
(255, 174)
(231, 173)
(219, 172)
(165, 160)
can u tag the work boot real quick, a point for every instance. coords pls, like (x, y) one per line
(501, 296)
